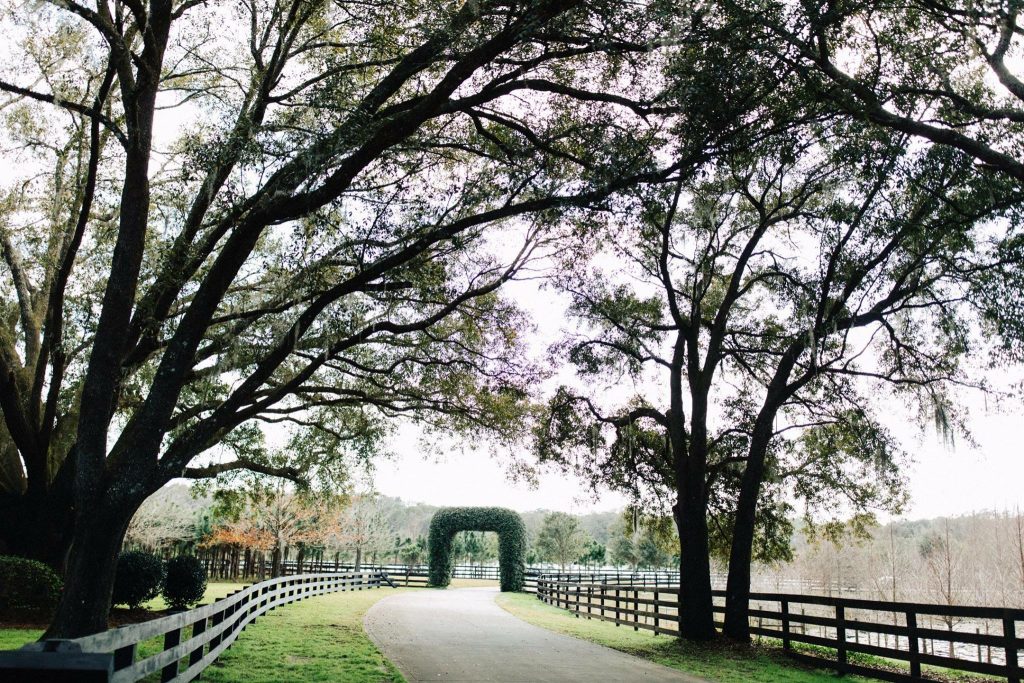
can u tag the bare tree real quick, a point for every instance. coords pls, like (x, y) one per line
(361, 528)
(170, 516)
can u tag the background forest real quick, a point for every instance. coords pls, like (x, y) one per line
(975, 559)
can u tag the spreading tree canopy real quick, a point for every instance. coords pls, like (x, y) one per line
(776, 296)
(292, 211)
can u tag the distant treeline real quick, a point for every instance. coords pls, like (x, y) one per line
(974, 559)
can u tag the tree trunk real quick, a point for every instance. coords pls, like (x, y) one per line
(275, 567)
(696, 608)
(696, 613)
(85, 602)
(359, 558)
(737, 591)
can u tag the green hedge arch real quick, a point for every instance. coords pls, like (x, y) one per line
(511, 542)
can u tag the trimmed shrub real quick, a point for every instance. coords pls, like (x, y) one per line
(185, 584)
(27, 585)
(140, 577)
(511, 542)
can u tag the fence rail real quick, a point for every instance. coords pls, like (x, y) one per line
(194, 639)
(418, 576)
(834, 628)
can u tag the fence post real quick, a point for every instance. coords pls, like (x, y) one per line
(618, 608)
(197, 654)
(913, 645)
(1010, 644)
(216, 619)
(636, 609)
(171, 639)
(785, 625)
(655, 605)
(124, 657)
(841, 638)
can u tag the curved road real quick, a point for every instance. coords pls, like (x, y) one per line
(462, 635)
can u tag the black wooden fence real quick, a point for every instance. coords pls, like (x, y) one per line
(192, 640)
(894, 641)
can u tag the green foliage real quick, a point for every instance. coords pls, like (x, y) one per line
(593, 553)
(999, 295)
(511, 542)
(412, 552)
(27, 585)
(472, 547)
(857, 455)
(561, 539)
(185, 583)
(637, 539)
(140, 577)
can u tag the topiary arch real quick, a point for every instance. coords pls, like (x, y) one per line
(511, 542)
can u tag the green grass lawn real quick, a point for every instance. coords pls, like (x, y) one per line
(716, 662)
(214, 591)
(320, 639)
(12, 638)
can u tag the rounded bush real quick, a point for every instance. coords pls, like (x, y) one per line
(27, 585)
(511, 542)
(185, 584)
(140, 577)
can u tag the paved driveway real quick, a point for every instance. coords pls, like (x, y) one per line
(462, 635)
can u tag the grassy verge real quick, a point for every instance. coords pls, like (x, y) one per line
(933, 673)
(716, 662)
(214, 591)
(321, 639)
(13, 636)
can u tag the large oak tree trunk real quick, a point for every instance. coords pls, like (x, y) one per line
(737, 591)
(696, 613)
(89, 583)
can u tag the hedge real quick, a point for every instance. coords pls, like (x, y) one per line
(511, 542)
(27, 585)
(140, 577)
(185, 584)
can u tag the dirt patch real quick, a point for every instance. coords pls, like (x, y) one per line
(23, 619)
